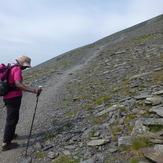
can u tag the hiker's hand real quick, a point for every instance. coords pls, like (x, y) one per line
(38, 91)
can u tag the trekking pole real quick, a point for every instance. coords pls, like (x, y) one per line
(37, 97)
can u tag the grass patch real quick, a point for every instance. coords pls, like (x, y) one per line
(115, 91)
(136, 159)
(138, 143)
(99, 120)
(155, 128)
(102, 99)
(89, 107)
(158, 76)
(111, 159)
(50, 136)
(70, 113)
(92, 133)
(66, 159)
(68, 125)
(40, 155)
(59, 129)
(130, 118)
(115, 131)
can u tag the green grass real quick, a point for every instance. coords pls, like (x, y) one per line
(115, 131)
(155, 128)
(50, 136)
(99, 120)
(101, 99)
(66, 159)
(138, 143)
(59, 129)
(130, 118)
(89, 107)
(136, 159)
(158, 77)
(68, 125)
(40, 155)
(70, 113)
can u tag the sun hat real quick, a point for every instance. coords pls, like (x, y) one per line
(24, 61)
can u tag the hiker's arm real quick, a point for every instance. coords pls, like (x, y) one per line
(21, 86)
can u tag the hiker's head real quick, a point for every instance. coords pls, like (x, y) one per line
(24, 62)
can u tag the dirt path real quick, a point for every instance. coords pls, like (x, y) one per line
(48, 99)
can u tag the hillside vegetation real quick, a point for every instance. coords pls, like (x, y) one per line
(102, 100)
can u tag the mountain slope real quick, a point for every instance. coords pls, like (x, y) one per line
(91, 93)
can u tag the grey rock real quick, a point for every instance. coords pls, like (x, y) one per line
(155, 140)
(70, 147)
(159, 148)
(152, 121)
(139, 128)
(75, 157)
(52, 155)
(110, 109)
(156, 100)
(86, 133)
(158, 93)
(121, 120)
(124, 141)
(66, 152)
(26, 160)
(154, 137)
(112, 120)
(141, 97)
(158, 110)
(98, 142)
(88, 161)
(100, 157)
(120, 52)
(38, 146)
(113, 149)
(106, 72)
(138, 76)
(67, 138)
(47, 147)
(153, 154)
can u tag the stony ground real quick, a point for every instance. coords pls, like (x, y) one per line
(96, 102)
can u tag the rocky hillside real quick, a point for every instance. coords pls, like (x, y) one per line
(101, 103)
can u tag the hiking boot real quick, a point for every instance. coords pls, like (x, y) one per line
(8, 146)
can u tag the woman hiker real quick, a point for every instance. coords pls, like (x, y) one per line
(12, 100)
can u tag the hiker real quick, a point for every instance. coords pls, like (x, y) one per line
(12, 100)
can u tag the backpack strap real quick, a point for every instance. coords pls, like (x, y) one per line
(9, 67)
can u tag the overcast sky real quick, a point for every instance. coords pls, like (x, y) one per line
(43, 29)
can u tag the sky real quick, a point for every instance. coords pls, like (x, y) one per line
(43, 29)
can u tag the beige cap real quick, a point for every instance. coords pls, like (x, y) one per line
(24, 61)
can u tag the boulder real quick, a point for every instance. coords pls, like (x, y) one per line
(124, 141)
(155, 154)
(98, 142)
(152, 121)
(139, 128)
(157, 110)
(156, 100)
(110, 109)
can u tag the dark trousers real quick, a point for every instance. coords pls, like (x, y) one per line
(13, 106)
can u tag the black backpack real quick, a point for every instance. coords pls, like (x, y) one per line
(4, 75)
